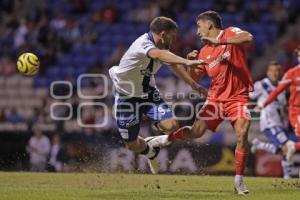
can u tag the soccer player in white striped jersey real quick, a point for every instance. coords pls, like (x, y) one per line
(136, 92)
(271, 122)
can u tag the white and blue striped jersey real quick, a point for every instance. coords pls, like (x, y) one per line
(270, 115)
(134, 76)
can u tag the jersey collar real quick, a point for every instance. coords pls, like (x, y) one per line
(150, 36)
(220, 34)
(270, 83)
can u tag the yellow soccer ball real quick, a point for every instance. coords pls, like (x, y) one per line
(28, 64)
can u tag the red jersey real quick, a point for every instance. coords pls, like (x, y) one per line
(227, 67)
(291, 79)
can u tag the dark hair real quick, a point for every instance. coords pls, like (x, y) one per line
(212, 16)
(160, 24)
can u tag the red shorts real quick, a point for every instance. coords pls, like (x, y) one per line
(213, 112)
(294, 116)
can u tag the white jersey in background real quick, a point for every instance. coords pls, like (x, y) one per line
(39, 148)
(135, 73)
(269, 116)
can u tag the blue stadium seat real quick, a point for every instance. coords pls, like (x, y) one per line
(117, 39)
(117, 29)
(67, 70)
(79, 70)
(195, 5)
(267, 18)
(96, 5)
(40, 82)
(66, 60)
(102, 27)
(272, 30)
(53, 71)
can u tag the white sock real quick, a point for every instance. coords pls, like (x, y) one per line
(238, 178)
(286, 167)
(269, 147)
(159, 141)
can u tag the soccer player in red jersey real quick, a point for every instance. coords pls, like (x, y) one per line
(290, 80)
(228, 94)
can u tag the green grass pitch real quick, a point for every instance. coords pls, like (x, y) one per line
(69, 186)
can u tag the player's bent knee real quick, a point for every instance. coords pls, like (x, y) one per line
(168, 126)
(199, 128)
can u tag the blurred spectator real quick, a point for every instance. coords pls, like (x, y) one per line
(109, 14)
(88, 115)
(292, 44)
(144, 14)
(58, 22)
(100, 118)
(89, 34)
(69, 35)
(166, 8)
(38, 148)
(13, 116)
(253, 15)
(179, 6)
(116, 56)
(229, 6)
(99, 68)
(280, 14)
(7, 66)
(286, 56)
(79, 6)
(20, 34)
(57, 155)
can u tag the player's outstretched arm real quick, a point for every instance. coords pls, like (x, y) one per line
(181, 73)
(170, 58)
(241, 37)
(280, 88)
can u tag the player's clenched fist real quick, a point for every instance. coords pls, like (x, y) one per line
(192, 55)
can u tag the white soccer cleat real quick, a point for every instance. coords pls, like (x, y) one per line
(290, 150)
(158, 141)
(240, 188)
(153, 162)
(287, 177)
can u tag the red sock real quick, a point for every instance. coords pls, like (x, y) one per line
(178, 134)
(297, 146)
(240, 162)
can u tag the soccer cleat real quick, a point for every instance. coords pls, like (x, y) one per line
(240, 188)
(153, 162)
(287, 177)
(158, 141)
(290, 150)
